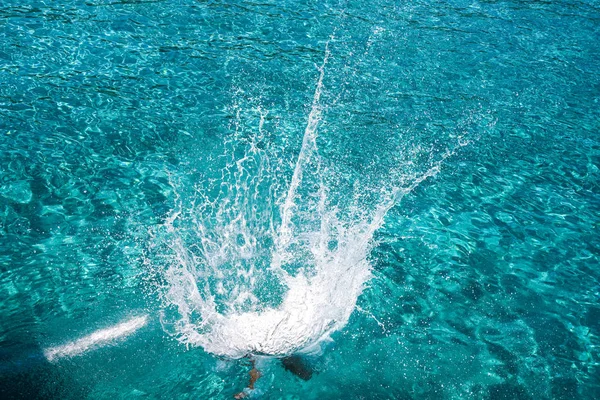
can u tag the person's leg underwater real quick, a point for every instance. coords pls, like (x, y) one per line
(254, 375)
(295, 364)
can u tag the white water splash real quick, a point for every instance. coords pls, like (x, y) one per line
(95, 339)
(316, 253)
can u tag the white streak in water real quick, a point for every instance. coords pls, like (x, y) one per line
(100, 337)
(309, 147)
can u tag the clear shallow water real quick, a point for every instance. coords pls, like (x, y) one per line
(122, 126)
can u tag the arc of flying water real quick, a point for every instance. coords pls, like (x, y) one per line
(309, 147)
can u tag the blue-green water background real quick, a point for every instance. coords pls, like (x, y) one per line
(486, 277)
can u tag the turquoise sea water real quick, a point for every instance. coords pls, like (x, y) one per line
(405, 193)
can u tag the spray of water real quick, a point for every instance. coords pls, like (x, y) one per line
(267, 265)
(96, 339)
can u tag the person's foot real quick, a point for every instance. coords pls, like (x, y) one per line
(240, 395)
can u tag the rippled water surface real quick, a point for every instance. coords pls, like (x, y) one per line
(405, 193)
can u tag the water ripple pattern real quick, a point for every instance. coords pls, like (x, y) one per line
(407, 194)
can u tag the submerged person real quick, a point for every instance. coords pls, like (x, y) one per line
(254, 375)
(295, 364)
